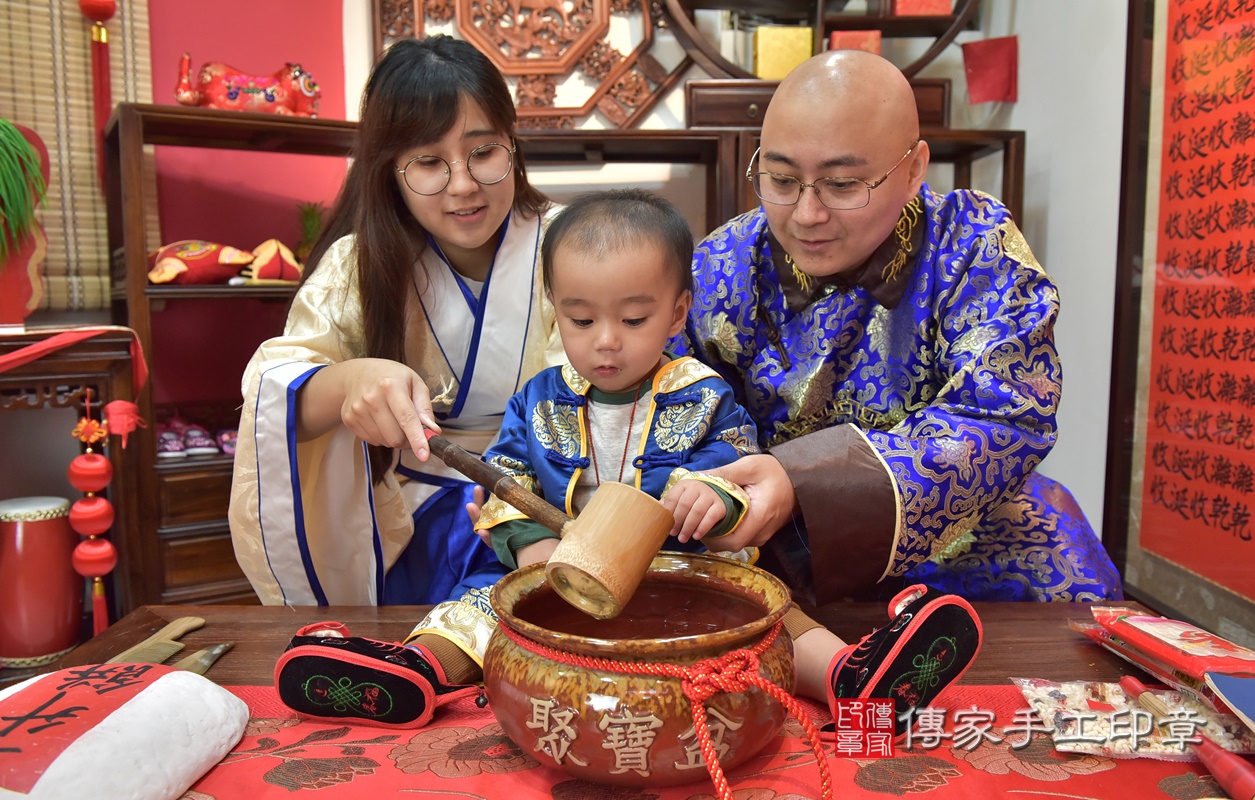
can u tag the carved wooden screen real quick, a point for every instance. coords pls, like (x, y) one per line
(566, 60)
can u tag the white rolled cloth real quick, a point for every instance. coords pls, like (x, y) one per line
(121, 731)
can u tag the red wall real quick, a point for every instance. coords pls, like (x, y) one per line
(234, 197)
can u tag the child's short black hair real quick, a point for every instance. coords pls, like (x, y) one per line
(615, 220)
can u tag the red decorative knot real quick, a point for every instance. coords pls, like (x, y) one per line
(736, 671)
(91, 516)
(90, 431)
(98, 10)
(94, 558)
(89, 472)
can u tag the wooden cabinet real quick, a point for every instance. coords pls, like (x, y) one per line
(178, 546)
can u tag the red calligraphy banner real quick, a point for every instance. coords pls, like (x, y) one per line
(1198, 486)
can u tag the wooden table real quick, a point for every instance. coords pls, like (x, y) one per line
(1021, 639)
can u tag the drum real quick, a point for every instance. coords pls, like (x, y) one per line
(41, 596)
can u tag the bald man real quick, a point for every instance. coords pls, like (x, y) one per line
(895, 347)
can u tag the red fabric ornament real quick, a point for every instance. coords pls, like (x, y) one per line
(122, 417)
(90, 472)
(91, 516)
(99, 11)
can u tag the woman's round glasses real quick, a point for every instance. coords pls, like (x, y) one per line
(839, 194)
(487, 164)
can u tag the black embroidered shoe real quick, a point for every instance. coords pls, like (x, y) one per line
(327, 675)
(931, 641)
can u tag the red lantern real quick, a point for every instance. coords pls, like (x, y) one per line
(90, 472)
(91, 516)
(95, 558)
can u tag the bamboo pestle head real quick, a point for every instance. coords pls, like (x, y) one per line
(606, 550)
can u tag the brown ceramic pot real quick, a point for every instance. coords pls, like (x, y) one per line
(616, 723)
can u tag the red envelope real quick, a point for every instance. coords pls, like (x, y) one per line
(855, 40)
(922, 8)
(992, 67)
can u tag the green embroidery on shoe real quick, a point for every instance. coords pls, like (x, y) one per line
(346, 697)
(928, 669)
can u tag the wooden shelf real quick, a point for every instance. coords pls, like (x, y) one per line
(180, 535)
(220, 292)
(893, 27)
(783, 10)
(207, 464)
(620, 146)
(209, 292)
(180, 126)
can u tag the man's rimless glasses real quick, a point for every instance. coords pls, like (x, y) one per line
(839, 194)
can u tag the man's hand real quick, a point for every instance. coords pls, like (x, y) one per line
(696, 508)
(771, 501)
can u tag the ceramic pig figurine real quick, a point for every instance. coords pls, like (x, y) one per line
(290, 91)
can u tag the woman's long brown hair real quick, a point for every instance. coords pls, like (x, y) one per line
(414, 96)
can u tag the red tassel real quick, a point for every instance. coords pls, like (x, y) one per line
(102, 92)
(100, 610)
(99, 11)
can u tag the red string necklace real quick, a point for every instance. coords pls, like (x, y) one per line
(592, 450)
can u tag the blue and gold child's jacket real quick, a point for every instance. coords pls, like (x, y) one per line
(693, 424)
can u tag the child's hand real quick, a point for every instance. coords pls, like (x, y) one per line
(696, 507)
(473, 510)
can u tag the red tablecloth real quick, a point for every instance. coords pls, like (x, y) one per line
(465, 754)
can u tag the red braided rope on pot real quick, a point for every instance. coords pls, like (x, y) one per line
(731, 672)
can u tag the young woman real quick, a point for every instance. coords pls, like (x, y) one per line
(422, 306)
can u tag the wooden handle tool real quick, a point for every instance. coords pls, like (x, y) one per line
(603, 555)
(161, 645)
(200, 661)
(499, 483)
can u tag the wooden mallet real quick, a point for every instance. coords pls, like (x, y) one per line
(603, 554)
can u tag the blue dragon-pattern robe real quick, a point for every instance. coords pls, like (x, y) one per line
(911, 431)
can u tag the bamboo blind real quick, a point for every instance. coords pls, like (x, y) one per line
(46, 85)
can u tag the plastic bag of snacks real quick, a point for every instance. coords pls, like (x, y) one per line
(1100, 719)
